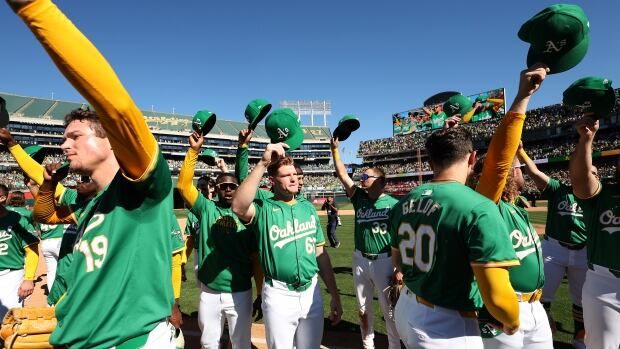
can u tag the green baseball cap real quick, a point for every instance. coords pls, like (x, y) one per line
(283, 125)
(592, 93)
(457, 104)
(559, 37)
(256, 111)
(346, 126)
(203, 122)
(482, 98)
(209, 155)
(35, 152)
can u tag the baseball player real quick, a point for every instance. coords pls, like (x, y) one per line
(601, 211)
(564, 245)
(290, 248)
(501, 181)
(443, 235)
(118, 266)
(372, 264)
(19, 256)
(332, 221)
(225, 248)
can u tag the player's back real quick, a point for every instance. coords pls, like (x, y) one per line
(441, 229)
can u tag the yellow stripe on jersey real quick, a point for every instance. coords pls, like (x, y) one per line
(500, 156)
(511, 263)
(81, 63)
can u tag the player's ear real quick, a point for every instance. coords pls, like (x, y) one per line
(472, 158)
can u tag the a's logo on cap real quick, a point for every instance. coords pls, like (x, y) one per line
(551, 46)
(282, 134)
(455, 106)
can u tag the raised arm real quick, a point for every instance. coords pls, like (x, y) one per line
(540, 179)
(244, 195)
(505, 141)
(243, 151)
(341, 171)
(46, 210)
(498, 295)
(87, 70)
(585, 184)
(185, 183)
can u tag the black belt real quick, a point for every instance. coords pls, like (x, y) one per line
(373, 256)
(573, 247)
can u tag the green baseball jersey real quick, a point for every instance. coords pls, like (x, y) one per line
(176, 236)
(564, 216)
(121, 264)
(529, 275)
(437, 120)
(441, 230)
(24, 212)
(16, 233)
(371, 221)
(601, 214)
(224, 246)
(52, 231)
(405, 128)
(287, 236)
(192, 225)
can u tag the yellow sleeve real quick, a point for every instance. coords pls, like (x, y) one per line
(185, 183)
(467, 117)
(81, 63)
(176, 274)
(46, 211)
(32, 261)
(498, 296)
(33, 169)
(500, 156)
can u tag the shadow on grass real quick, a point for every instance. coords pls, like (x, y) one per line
(343, 270)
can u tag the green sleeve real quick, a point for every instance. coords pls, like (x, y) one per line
(357, 195)
(191, 224)
(393, 224)
(320, 236)
(176, 236)
(553, 186)
(26, 232)
(241, 163)
(487, 237)
(201, 206)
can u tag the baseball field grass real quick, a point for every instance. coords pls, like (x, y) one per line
(341, 261)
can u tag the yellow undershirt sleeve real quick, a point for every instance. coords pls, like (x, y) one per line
(87, 70)
(176, 274)
(467, 117)
(33, 169)
(31, 261)
(185, 183)
(500, 156)
(498, 295)
(46, 211)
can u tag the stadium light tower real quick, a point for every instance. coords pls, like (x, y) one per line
(310, 108)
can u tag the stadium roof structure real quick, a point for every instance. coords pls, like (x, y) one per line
(49, 111)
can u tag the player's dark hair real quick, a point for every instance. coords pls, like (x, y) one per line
(300, 171)
(17, 198)
(447, 146)
(222, 176)
(4, 190)
(203, 179)
(510, 187)
(272, 170)
(86, 115)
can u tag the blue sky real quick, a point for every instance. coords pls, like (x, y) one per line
(369, 59)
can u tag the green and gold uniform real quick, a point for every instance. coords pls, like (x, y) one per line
(564, 216)
(287, 236)
(442, 230)
(16, 233)
(224, 246)
(601, 214)
(371, 222)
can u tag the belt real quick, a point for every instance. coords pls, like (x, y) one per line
(572, 247)
(471, 314)
(297, 287)
(529, 297)
(603, 270)
(375, 256)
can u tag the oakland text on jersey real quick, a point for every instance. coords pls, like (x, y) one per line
(608, 218)
(424, 206)
(566, 208)
(371, 214)
(293, 231)
(520, 241)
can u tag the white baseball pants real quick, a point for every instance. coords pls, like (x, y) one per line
(534, 332)
(50, 249)
(601, 309)
(10, 280)
(560, 261)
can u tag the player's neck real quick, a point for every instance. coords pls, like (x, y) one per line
(374, 193)
(105, 173)
(454, 173)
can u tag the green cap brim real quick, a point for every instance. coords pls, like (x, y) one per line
(560, 63)
(4, 114)
(345, 128)
(295, 140)
(261, 115)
